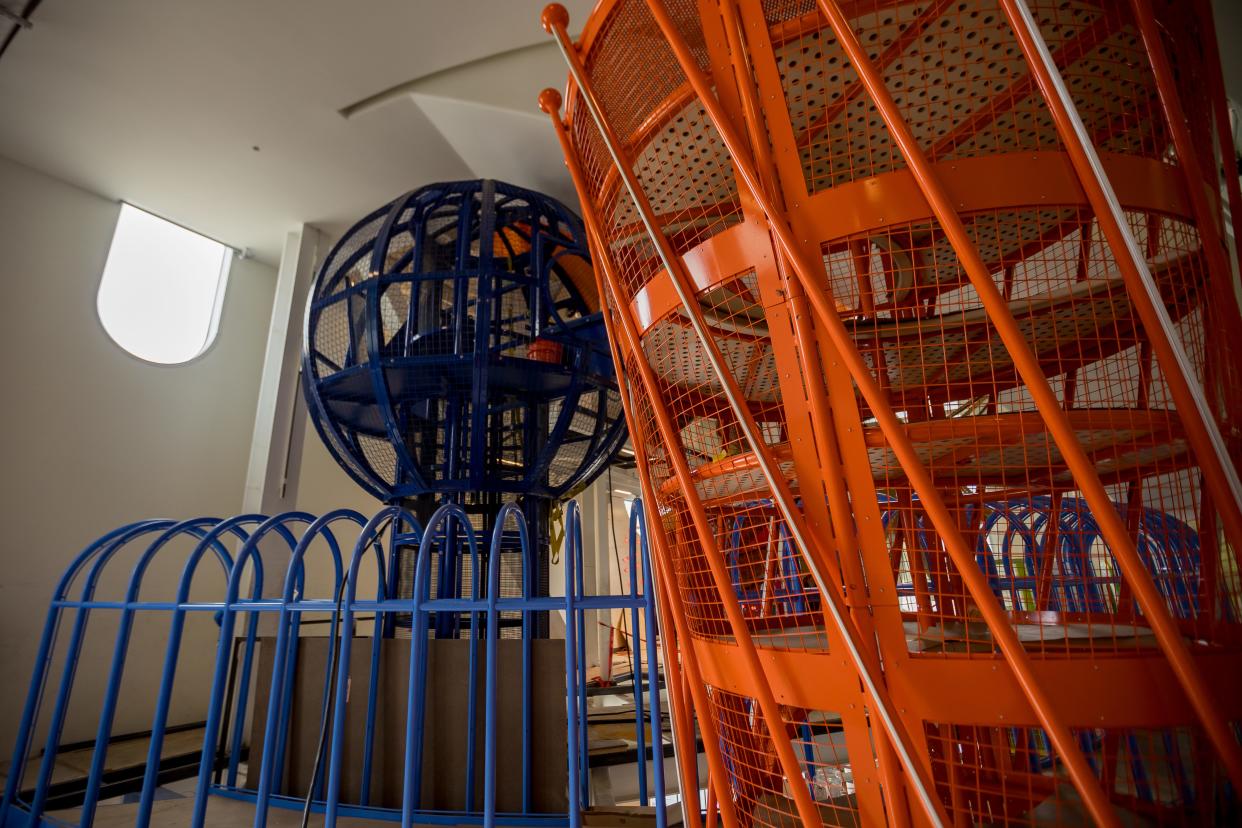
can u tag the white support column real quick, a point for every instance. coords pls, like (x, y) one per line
(276, 448)
(279, 423)
(596, 567)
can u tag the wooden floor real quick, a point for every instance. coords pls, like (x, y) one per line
(221, 813)
(124, 765)
(610, 731)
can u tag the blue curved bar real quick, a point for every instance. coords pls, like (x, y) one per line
(235, 665)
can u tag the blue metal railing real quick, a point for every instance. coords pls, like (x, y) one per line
(75, 603)
(1012, 545)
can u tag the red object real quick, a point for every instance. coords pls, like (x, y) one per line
(545, 350)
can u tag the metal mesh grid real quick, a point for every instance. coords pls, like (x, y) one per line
(454, 344)
(679, 157)
(962, 85)
(1010, 776)
(761, 793)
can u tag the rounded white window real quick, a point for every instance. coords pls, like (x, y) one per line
(162, 288)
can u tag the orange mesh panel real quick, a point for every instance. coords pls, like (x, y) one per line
(962, 85)
(1009, 776)
(760, 793)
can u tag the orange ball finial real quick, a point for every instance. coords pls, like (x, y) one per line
(550, 101)
(554, 14)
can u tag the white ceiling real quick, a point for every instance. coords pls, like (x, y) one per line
(162, 103)
(243, 119)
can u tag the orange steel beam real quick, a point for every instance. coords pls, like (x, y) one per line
(555, 21)
(820, 411)
(666, 587)
(683, 732)
(685, 748)
(1201, 429)
(783, 32)
(1192, 408)
(711, 804)
(1143, 184)
(1113, 529)
(994, 615)
(881, 702)
(550, 102)
(841, 519)
(1206, 217)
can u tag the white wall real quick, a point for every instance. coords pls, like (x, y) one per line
(93, 438)
(605, 544)
(324, 486)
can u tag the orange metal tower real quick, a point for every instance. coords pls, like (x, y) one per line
(929, 337)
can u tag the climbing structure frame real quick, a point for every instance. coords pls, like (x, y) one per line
(922, 310)
(382, 737)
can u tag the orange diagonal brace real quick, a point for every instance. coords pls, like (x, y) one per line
(550, 102)
(842, 520)
(1201, 429)
(812, 550)
(975, 581)
(768, 706)
(1220, 114)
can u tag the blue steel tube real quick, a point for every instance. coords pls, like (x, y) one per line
(653, 674)
(486, 609)
(278, 698)
(378, 628)
(411, 790)
(415, 710)
(394, 577)
(636, 666)
(528, 634)
(69, 670)
(493, 634)
(251, 638)
(332, 794)
(571, 668)
(272, 731)
(472, 705)
(367, 539)
(247, 661)
(228, 620)
(584, 779)
(288, 631)
(318, 779)
(317, 782)
(159, 720)
(38, 681)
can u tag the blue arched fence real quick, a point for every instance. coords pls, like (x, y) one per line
(376, 542)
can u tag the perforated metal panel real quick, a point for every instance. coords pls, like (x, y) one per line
(948, 374)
